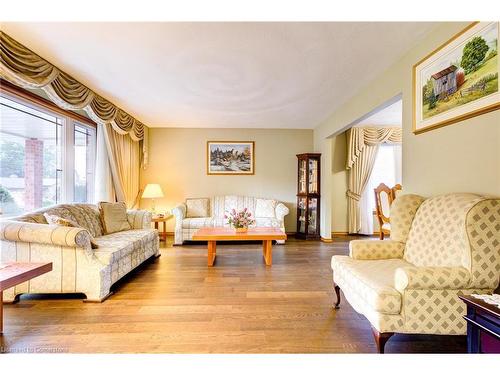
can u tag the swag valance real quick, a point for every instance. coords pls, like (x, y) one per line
(25, 68)
(358, 138)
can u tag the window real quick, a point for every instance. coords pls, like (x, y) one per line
(387, 169)
(46, 156)
(83, 163)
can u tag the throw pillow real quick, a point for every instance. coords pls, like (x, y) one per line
(114, 217)
(265, 208)
(197, 207)
(57, 220)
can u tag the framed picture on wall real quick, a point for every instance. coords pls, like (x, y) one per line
(458, 80)
(230, 158)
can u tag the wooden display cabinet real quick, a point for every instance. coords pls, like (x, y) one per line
(308, 196)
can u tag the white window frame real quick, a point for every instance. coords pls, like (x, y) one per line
(67, 149)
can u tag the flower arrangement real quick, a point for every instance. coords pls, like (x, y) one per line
(240, 220)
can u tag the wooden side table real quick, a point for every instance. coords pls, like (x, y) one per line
(483, 326)
(12, 274)
(157, 220)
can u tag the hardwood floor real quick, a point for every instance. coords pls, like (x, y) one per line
(176, 304)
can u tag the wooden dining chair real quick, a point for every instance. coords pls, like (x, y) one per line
(396, 189)
(383, 193)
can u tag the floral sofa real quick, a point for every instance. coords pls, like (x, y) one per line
(77, 268)
(439, 248)
(209, 212)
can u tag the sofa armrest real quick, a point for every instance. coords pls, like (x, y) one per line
(281, 211)
(139, 219)
(180, 213)
(19, 231)
(437, 278)
(374, 249)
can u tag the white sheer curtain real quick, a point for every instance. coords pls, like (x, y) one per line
(387, 169)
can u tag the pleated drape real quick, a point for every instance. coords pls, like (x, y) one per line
(124, 157)
(362, 148)
(125, 138)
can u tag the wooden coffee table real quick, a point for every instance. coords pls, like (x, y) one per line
(266, 235)
(12, 274)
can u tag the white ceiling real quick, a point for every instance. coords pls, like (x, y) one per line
(232, 75)
(391, 115)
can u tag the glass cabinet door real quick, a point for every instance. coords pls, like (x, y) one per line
(312, 228)
(302, 176)
(302, 215)
(313, 176)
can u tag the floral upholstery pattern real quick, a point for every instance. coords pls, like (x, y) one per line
(77, 268)
(85, 215)
(450, 245)
(185, 226)
(368, 249)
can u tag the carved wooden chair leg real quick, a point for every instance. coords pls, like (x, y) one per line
(381, 339)
(337, 292)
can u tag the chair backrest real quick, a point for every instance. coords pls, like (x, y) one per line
(383, 201)
(396, 190)
(438, 235)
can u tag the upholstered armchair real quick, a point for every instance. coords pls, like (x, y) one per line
(439, 248)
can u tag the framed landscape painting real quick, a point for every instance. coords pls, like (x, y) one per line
(458, 80)
(230, 158)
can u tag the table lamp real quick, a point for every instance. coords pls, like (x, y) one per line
(152, 191)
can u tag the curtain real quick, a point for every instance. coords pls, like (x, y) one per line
(122, 146)
(362, 150)
(358, 178)
(398, 163)
(124, 160)
(104, 190)
(387, 169)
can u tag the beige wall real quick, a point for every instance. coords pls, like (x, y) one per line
(462, 157)
(178, 163)
(339, 183)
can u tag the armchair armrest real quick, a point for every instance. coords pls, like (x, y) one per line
(437, 278)
(139, 219)
(180, 213)
(371, 249)
(19, 231)
(281, 211)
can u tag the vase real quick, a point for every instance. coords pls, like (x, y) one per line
(241, 230)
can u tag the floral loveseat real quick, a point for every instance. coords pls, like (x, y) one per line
(209, 212)
(439, 247)
(77, 268)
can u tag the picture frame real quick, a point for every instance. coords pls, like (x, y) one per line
(458, 80)
(230, 157)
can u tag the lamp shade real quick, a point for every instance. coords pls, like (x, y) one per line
(152, 191)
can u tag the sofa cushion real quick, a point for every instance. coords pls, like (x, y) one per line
(265, 208)
(86, 215)
(57, 220)
(114, 217)
(197, 207)
(114, 246)
(371, 280)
